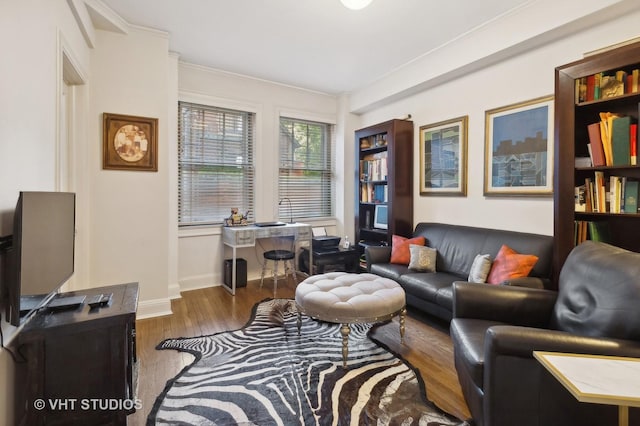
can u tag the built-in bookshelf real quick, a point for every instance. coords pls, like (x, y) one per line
(596, 173)
(384, 183)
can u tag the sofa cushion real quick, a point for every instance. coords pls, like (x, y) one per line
(458, 246)
(469, 335)
(389, 270)
(510, 264)
(423, 258)
(426, 285)
(400, 253)
(480, 268)
(598, 292)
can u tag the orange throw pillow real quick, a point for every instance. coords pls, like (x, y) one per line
(400, 252)
(510, 264)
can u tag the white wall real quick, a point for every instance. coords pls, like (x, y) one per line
(128, 225)
(31, 35)
(200, 250)
(130, 210)
(519, 78)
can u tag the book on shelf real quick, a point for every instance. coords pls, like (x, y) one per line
(606, 118)
(595, 141)
(599, 231)
(591, 230)
(603, 85)
(631, 197)
(580, 204)
(374, 167)
(620, 141)
(612, 194)
(633, 144)
(616, 142)
(583, 162)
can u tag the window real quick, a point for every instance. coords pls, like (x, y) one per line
(305, 175)
(215, 163)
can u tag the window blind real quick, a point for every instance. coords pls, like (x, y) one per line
(215, 163)
(305, 173)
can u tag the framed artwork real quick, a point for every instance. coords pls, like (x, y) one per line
(518, 149)
(129, 143)
(443, 157)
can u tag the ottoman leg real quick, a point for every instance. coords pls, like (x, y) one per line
(299, 321)
(345, 330)
(403, 315)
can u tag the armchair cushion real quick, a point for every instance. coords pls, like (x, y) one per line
(599, 291)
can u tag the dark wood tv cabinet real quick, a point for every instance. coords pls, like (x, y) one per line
(79, 365)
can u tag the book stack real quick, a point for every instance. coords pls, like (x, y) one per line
(613, 194)
(374, 167)
(613, 141)
(605, 85)
(591, 230)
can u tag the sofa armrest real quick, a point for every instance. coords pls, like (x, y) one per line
(377, 254)
(506, 340)
(530, 282)
(511, 305)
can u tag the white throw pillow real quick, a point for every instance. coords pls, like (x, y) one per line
(423, 258)
(480, 268)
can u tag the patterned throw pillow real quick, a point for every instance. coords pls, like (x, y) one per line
(400, 248)
(510, 264)
(423, 258)
(480, 269)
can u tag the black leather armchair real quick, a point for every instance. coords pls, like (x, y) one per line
(496, 329)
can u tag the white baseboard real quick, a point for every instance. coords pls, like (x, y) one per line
(174, 291)
(154, 308)
(200, 281)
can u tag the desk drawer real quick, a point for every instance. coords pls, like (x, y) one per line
(240, 237)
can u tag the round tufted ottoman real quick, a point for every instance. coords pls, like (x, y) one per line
(345, 299)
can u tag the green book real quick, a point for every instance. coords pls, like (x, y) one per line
(599, 231)
(620, 141)
(631, 196)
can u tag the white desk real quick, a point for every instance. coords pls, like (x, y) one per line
(245, 236)
(597, 379)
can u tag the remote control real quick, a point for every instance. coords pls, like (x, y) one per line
(94, 301)
(105, 299)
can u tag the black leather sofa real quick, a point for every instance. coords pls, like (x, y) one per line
(457, 246)
(495, 331)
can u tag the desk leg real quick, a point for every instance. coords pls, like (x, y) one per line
(231, 289)
(233, 272)
(623, 415)
(310, 241)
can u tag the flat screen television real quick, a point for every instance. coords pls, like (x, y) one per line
(380, 217)
(42, 251)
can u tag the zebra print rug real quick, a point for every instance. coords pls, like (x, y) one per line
(266, 374)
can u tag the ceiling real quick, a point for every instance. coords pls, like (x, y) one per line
(313, 44)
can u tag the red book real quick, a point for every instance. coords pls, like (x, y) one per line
(633, 144)
(591, 84)
(597, 150)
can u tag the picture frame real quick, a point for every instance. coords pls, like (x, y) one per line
(129, 143)
(443, 157)
(518, 149)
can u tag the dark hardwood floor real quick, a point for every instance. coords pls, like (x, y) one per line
(427, 344)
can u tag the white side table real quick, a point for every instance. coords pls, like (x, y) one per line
(597, 379)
